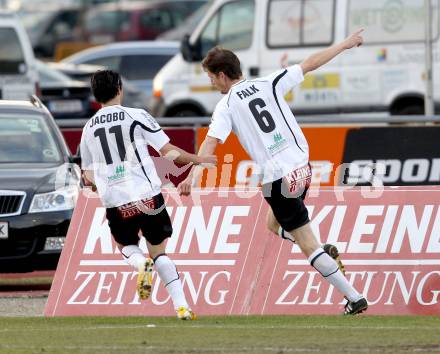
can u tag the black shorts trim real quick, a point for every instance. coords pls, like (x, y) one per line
(290, 212)
(155, 227)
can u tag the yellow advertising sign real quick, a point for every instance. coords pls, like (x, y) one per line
(319, 81)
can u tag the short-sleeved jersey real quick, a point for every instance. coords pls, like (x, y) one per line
(114, 146)
(262, 120)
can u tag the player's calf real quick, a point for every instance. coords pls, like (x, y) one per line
(328, 248)
(333, 252)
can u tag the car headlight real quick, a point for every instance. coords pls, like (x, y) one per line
(157, 86)
(61, 199)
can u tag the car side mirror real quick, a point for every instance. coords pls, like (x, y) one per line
(185, 48)
(189, 51)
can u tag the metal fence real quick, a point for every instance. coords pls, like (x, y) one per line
(360, 118)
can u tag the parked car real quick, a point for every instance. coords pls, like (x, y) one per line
(187, 26)
(81, 72)
(18, 74)
(64, 97)
(47, 27)
(136, 20)
(133, 97)
(39, 187)
(138, 62)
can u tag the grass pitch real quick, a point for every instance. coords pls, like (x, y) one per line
(253, 334)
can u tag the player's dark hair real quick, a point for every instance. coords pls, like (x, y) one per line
(222, 60)
(105, 85)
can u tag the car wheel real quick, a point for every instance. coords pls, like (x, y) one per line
(186, 112)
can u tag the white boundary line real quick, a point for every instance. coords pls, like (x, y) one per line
(222, 327)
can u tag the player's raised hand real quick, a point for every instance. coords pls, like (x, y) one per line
(354, 40)
(208, 160)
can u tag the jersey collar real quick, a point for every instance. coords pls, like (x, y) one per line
(239, 82)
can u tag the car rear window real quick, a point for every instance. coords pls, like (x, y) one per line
(26, 138)
(142, 67)
(107, 21)
(11, 54)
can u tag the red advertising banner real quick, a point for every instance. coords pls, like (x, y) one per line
(389, 241)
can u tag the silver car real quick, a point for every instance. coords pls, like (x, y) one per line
(138, 61)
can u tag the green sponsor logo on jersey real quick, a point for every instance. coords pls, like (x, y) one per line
(279, 143)
(119, 173)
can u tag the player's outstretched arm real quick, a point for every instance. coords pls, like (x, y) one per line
(206, 149)
(181, 156)
(318, 59)
(88, 179)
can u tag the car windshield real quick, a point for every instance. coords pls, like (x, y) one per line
(107, 21)
(187, 26)
(35, 21)
(26, 138)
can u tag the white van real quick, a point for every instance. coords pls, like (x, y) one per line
(18, 73)
(385, 74)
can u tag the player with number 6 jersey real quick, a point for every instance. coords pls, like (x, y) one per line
(256, 111)
(115, 158)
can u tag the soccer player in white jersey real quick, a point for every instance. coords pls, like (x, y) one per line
(262, 120)
(115, 159)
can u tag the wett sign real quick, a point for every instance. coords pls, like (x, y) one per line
(230, 264)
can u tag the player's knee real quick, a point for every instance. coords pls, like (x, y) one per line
(156, 250)
(272, 225)
(128, 251)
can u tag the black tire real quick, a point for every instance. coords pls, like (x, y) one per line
(408, 106)
(410, 110)
(185, 112)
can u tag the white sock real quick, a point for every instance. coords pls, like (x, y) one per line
(170, 277)
(284, 234)
(134, 256)
(329, 269)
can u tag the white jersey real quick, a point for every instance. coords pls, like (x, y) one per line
(260, 117)
(114, 145)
